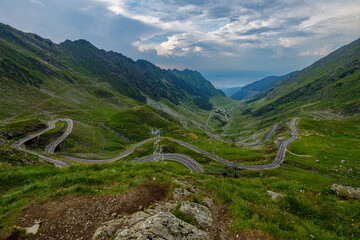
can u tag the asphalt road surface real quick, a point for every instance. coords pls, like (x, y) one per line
(185, 160)
(122, 155)
(57, 162)
(268, 135)
(51, 147)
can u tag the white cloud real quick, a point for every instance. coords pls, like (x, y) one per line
(38, 2)
(239, 24)
(86, 8)
(319, 52)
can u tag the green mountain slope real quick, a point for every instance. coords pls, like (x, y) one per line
(103, 92)
(254, 88)
(230, 91)
(333, 83)
(29, 59)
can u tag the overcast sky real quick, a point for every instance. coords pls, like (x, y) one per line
(231, 43)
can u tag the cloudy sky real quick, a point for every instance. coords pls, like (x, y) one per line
(231, 43)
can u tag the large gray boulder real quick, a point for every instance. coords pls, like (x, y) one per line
(162, 226)
(201, 213)
(109, 228)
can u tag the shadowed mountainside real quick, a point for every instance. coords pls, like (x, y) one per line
(27, 59)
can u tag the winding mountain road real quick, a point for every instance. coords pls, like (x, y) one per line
(55, 161)
(277, 162)
(183, 159)
(51, 147)
(120, 156)
(268, 135)
(207, 122)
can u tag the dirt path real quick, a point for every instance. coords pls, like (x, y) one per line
(297, 154)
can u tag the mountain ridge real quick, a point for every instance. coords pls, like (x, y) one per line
(254, 88)
(136, 79)
(329, 83)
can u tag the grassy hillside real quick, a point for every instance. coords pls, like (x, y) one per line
(308, 209)
(330, 83)
(257, 87)
(28, 59)
(40, 80)
(104, 93)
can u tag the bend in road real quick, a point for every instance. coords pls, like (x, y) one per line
(183, 159)
(187, 161)
(51, 147)
(122, 155)
(56, 162)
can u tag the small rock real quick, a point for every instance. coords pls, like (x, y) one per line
(182, 183)
(201, 213)
(208, 202)
(140, 207)
(114, 215)
(180, 193)
(317, 161)
(34, 228)
(342, 161)
(275, 195)
(107, 230)
(195, 190)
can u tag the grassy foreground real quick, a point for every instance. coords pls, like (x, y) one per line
(307, 210)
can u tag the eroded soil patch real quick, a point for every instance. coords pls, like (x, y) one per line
(77, 217)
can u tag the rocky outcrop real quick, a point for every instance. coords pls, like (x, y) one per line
(208, 202)
(201, 213)
(346, 191)
(180, 193)
(157, 221)
(163, 225)
(107, 230)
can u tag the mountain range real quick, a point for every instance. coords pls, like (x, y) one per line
(333, 82)
(257, 87)
(281, 163)
(229, 90)
(28, 59)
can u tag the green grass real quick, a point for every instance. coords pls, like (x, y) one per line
(135, 123)
(183, 216)
(308, 207)
(308, 210)
(40, 143)
(20, 127)
(21, 185)
(304, 211)
(335, 143)
(14, 157)
(92, 141)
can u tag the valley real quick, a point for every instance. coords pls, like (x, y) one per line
(75, 123)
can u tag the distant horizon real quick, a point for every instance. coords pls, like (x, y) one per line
(165, 67)
(230, 44)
